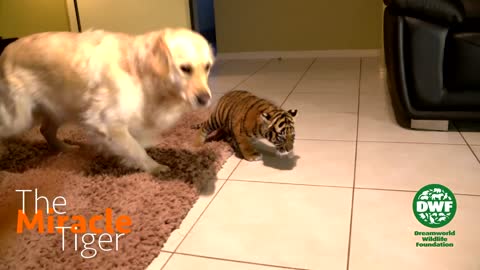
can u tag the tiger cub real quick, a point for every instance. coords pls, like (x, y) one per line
(242, 116)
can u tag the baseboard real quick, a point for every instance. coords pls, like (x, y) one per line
(299, 54)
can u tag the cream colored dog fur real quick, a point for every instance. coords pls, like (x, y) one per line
(123, 89)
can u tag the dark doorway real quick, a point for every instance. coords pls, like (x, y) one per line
(203, 19)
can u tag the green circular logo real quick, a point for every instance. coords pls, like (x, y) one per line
(434, 205)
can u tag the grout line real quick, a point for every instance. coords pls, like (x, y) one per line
(239, 261)
(166, 262)
(333, 186)
(287, 183)
(231, 173)
(246, 78)
(468, 144)
(410, 191)
(298, 82)
(354, 166)
(428, 143)
(252, 74)
(323, 140)
(392, 142)
(201, 214)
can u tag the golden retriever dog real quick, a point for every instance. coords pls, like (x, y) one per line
(122, 89)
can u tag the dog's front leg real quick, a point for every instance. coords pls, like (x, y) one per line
(124, 145)
(49, 130)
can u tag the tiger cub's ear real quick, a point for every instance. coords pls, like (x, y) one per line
(293, 113)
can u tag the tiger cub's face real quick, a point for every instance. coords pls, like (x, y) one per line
(280, 129)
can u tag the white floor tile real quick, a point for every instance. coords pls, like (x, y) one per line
(336, 66)
(470, 131)
(383, 234)
(185, 262)
(373, 79)
(473, 138)
(277, 76)
(326, 126)
(289, 222)
(159, 262)
(377, 123)
(232, 73)
(270, 83)
(292, 226)
(410, 166)
(476, 150)
(228, 167)
(323, 102)
(177, 236)
(315, 163)
(333, 75)
(286, 66)
(324, 116)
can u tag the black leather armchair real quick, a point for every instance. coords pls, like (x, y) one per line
(432, 57)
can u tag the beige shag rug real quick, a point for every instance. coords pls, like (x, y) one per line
(90, 184)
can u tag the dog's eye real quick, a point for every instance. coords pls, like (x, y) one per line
(207, 67)
(187, 69)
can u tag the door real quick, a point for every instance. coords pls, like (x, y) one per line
(202, 14)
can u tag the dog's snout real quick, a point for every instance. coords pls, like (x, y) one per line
(203, 99)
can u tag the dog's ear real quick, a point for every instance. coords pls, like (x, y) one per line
(161, 60)
(153, 57)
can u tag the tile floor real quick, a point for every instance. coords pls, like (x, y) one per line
(344, 201)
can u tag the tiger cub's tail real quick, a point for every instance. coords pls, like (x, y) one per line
(197, 126)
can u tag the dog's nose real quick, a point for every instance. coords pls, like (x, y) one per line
(203, 99)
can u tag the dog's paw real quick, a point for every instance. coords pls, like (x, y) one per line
(62, 147)
(159, 169)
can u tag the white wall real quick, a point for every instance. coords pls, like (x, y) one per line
(132, 16)
(19, 18)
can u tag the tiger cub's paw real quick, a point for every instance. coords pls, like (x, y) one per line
(199, 141)
(254, 157)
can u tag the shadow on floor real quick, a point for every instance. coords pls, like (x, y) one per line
(271, 159)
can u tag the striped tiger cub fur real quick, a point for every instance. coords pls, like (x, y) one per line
(242, 116)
